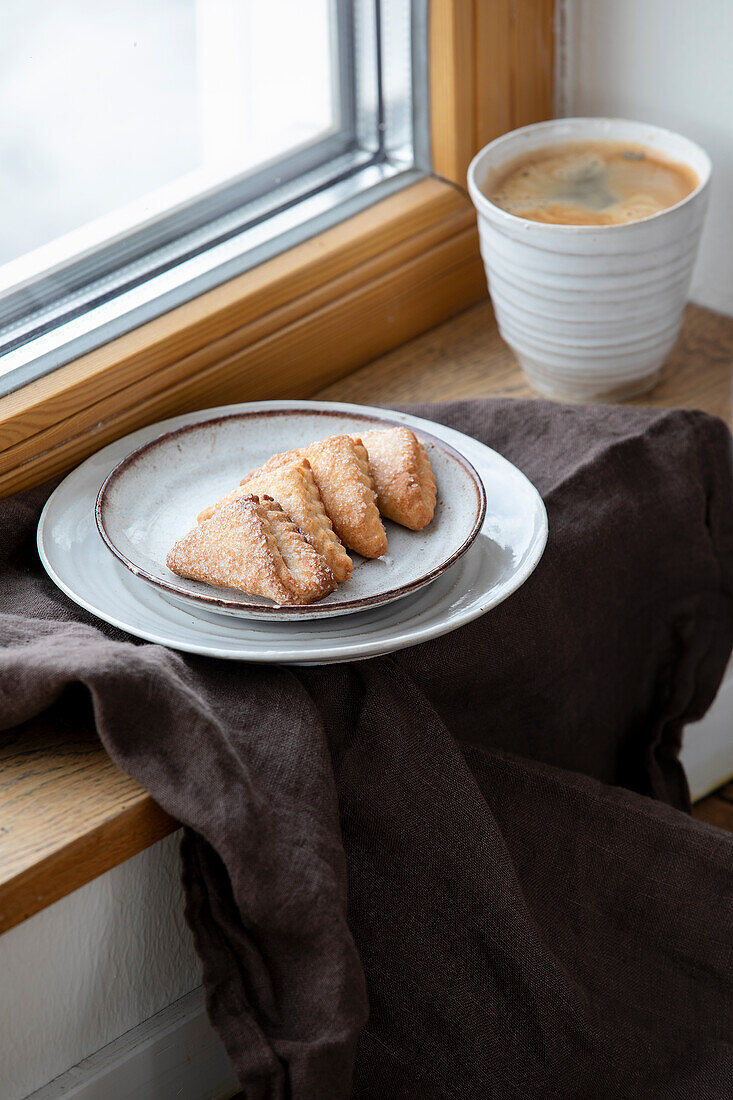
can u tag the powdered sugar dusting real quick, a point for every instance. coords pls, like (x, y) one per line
(250, 544)
(341, 472)
(404, 479)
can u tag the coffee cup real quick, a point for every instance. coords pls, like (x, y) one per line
(591, 311)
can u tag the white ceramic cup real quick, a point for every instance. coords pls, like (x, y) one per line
(591, 312)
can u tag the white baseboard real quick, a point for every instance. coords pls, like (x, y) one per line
(707, 745)
(176, 1055)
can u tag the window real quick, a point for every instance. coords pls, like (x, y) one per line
(153, 149)
(334, 293)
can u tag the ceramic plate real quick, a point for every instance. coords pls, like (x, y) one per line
(151, 499)
(504, 554)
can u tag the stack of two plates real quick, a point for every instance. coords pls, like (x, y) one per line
(105, 532)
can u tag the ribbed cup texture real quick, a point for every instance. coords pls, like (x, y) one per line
(589, 311)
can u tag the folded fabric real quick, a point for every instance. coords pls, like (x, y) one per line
(522, 929)
(525, 931)
(623, 632)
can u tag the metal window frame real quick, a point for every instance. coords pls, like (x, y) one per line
(55, 312)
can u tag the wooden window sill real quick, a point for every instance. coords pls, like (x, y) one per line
(285, 328)
(320, 310)
(67, 814)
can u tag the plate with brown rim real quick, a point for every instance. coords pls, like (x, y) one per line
(152, 497)
(503, 556)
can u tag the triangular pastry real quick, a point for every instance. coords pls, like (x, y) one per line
(341, 472)
(252, 545)
(236, 494)
(293, 486)
(403, 476)
(283, 458)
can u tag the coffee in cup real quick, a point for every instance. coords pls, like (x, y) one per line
(590, 183)
(590, 271)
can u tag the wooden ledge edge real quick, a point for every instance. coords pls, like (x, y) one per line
(420, 267)
(134, 829)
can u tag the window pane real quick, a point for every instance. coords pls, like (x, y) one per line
(152, 149)
(131, 107)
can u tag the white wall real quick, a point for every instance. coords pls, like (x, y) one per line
(670, 63)
(90, 967)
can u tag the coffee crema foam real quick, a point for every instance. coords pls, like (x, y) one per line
(590, 183)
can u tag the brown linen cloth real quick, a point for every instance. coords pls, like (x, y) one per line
(522, 929)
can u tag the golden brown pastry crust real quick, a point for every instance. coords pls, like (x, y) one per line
(252, 545)
(235, 494)
(283, 458)
(293, 486)
(403, 476)
(309, 576)
(341, 472)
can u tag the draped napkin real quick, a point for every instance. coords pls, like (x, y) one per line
(464, 870)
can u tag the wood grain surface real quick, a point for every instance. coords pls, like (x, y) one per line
(491, 70)
(67, 814)
(717, 808)
(325, 307)
(466, 357)
(303, 319)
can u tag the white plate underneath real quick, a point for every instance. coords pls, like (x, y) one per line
(511, 542)
(151, 499)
